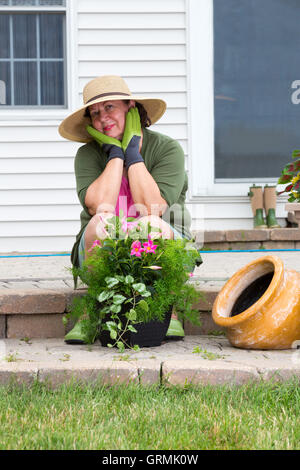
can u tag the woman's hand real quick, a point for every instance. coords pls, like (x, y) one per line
(131, 138)
(110, 145)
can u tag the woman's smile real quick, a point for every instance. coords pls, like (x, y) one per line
(108, 127)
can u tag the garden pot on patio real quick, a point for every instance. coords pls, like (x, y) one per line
(148, 334)
(260, 305)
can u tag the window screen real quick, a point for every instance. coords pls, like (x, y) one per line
(256, 69)
(32, 55)
(32, 2)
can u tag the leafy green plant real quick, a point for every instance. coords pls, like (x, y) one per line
(206, 354)
(66, 357)
(216, 333)
(291, 175)
(133, 278)
(12, 357)
(26, 340)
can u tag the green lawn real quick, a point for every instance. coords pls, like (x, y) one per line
(135, 417)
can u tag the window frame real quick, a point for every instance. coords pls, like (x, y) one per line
(51, 112)
(201, 111)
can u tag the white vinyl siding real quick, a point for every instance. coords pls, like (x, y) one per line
(145, 43)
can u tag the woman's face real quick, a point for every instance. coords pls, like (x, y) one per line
(108, 117)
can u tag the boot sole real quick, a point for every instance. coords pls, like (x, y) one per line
(174, 338)
(74, 341)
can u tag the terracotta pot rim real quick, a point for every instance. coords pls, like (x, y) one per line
(235, 279)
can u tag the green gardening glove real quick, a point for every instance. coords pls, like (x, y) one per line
(131, 138)
(111, 146)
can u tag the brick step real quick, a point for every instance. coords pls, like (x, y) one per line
(37, 313)
(267, 239)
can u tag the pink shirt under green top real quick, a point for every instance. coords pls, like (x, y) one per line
(125, 201)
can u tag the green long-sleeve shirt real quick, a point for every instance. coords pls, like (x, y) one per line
(164, 159)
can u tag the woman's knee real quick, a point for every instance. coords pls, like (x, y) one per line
(95, 229)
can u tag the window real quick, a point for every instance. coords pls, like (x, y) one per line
(256, 77)
(32, 53)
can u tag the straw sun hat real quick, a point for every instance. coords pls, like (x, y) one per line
(106, 88)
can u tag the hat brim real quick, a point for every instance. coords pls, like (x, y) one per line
(73, 127)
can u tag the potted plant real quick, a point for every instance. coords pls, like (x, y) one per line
(134, 279)
(291, 177)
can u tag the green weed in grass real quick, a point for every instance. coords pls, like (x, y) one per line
(257, 416)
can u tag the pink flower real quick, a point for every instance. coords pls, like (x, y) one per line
(149, 247)
(136, 249)
(191, 274)
(155, 268)
(128, 225)
(95, 243)
(131, 225)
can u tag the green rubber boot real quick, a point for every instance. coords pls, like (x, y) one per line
(78, 335)
(256, 198)
(270, 197)
(271, 219)
(175, 330)
(258, 220)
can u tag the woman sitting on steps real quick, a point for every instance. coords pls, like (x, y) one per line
(147, 180)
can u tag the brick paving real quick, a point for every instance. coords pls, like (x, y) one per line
(195, 360)
(36, 292)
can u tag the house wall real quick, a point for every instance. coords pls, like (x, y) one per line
(145, 42)
(162, 48)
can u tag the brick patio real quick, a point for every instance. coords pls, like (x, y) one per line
(283, 238)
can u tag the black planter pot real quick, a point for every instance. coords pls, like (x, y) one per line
(148, 334)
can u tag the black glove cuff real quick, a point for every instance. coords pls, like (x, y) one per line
(137, 159)
(113, 151)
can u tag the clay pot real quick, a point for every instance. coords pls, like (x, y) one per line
(260, 306)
